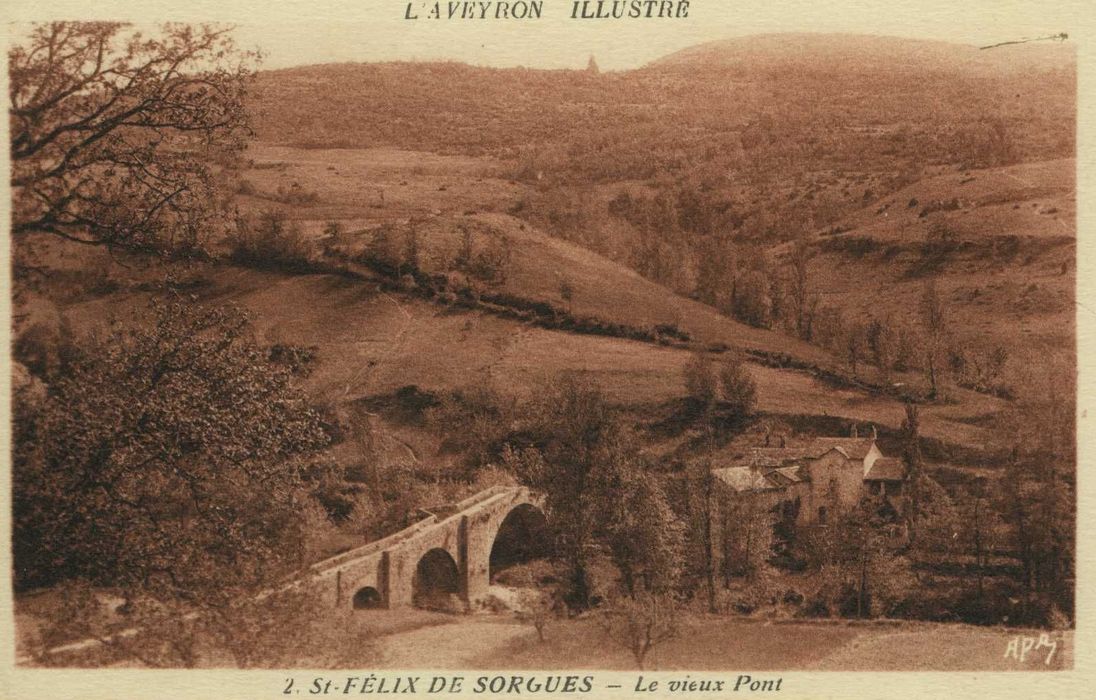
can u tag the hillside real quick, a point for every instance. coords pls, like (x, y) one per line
(749, 142)
(999, 242)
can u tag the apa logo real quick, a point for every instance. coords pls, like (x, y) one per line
(1020, 646)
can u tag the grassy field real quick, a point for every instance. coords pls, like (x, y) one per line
(724, 644)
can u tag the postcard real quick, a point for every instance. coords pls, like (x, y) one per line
(539, 348)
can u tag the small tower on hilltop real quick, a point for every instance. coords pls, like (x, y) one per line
(591, 66)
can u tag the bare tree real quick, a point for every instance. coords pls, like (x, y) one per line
(641, 623)
(800, 288)
(114, 134)
(883, 339)
(538, 608)
(856, 344)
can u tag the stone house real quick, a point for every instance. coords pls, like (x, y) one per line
(801, 483)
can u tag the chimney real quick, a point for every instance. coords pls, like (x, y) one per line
(853, 433)
(874, 433)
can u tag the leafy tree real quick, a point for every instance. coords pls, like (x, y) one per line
(701, 381)
(828, 328)
(384, 250)
(167, 464)
(980, 527)
(745, 540)
(715, 271)
(644, 535)
(778, 293)
(1036, 495)
(738, 387)
(865, 559)
(569, 433)
(700, 503)
(115, 134)
(752, 303)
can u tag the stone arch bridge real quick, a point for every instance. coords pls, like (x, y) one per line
(451, 552)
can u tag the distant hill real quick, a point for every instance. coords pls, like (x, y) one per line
(867, 53)
(814, 90)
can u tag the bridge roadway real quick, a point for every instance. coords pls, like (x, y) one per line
(447, 553)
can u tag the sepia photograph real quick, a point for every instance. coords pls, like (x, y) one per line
(742, 355)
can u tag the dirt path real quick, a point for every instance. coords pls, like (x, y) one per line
(454, 645)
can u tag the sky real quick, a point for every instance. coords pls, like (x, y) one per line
(300, 32)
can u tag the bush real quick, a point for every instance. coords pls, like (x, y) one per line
(270, 243)
(816, 606)
(792, 597)
(297, 359)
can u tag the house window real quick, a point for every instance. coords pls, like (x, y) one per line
(822, 515)
(875, 487)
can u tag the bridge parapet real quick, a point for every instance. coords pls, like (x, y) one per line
(374, 547)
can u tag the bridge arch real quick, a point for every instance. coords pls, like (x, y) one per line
(521, 536)
(368, 598)
(436, 579)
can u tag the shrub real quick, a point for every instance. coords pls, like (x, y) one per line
(270, 243)
(816, 606)
(297, 359)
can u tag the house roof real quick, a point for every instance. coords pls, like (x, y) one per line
(886, 469)
(854, 448)
(810, 448)
(774, 457)
(792, 474)
(745, 479)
